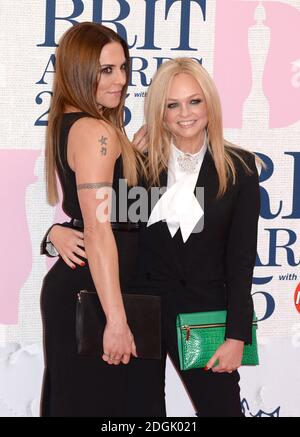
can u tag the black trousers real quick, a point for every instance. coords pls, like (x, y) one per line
(212, 394)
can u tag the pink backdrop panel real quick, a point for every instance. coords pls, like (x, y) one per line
(16, 174)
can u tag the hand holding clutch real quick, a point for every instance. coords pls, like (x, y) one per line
(200, 335)
(143, 317)
(229, 356)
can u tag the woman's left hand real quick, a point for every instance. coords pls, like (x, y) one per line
(229, 354)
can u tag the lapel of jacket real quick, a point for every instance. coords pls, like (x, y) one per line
(206, 179)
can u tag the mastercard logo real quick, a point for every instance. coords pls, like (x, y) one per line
(297, 298)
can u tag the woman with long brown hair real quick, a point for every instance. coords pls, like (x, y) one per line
(87, 148)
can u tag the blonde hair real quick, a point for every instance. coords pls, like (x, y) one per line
(159, 137)
(75, 84)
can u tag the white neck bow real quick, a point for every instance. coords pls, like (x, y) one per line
(178, 206)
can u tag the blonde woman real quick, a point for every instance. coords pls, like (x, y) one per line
(87, 148)
(198, 253)
(199, 262)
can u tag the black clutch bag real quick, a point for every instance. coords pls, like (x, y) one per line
(143, 316)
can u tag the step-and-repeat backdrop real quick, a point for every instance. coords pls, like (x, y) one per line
(251, 48)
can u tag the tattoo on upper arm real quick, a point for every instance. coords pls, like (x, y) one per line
(103, 142)
(93, 185)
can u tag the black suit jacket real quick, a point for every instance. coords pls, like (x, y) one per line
(216, 265)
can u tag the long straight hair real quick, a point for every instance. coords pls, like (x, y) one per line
(75, 84)
(159, 137)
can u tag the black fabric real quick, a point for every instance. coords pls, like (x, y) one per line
(85, 386)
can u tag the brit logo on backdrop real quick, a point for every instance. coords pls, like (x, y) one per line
(253, 53)
(271, 75)
(236, 60)
(141, 38)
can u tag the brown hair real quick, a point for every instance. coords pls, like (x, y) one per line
(159, 137)
(75, 84)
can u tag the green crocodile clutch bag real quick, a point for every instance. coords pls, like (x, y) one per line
(200, 334)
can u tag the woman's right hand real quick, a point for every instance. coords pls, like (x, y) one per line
(118, 343)
(140, 139)
(69, 243)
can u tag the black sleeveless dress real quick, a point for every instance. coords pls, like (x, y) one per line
(86, 386)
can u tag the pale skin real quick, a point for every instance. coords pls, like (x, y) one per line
(186, 117)
(92, 151)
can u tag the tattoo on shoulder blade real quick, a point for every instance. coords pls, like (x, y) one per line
(93, 185)
(103, 151)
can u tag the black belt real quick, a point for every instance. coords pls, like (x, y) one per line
(126, 226)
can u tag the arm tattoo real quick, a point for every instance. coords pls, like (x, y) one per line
(103, 142)
(93, 185)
